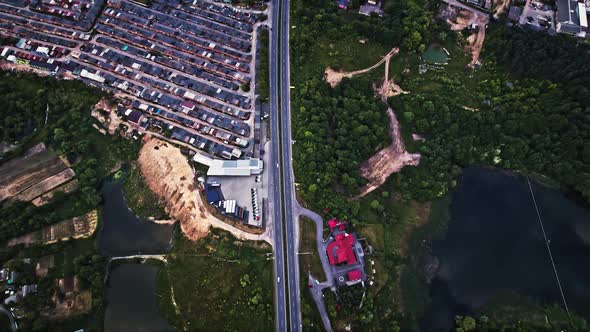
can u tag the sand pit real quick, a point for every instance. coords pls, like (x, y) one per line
(169, 175)
(389, 160)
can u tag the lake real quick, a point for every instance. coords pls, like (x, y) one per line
(132, 302)
(494, 244)
(122, 233)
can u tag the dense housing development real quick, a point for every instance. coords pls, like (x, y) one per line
(181, 68)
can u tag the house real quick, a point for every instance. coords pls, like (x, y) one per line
(136, 119)
(368, 9)
(188, 106)
(514, 13)
(49, 66)
(568, 17)
(340, 251)
(345, 254)
(27, 290)
(343, 4)
(14, 298)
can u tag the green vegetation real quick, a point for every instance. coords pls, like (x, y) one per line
(338, 128)
(509, 312)
(533, 121)
(559, 59)
(309, 262)
(70, 258)
(140, 198)
(69, 132)
(532, 126)
(262, 72)
(218, 281)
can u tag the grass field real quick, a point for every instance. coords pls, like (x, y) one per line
(309, 261)
(218, 282)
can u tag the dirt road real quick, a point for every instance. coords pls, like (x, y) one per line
(335, 77)
(389, 160)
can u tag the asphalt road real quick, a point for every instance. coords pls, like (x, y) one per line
(291, 221)
(285, 225)
(277, 200)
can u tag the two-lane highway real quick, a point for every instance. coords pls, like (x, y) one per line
(287, 298)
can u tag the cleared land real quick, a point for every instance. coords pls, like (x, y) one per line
(389, 160)
(334, 77)
(65, 188)
(35, 173)
(169, 175)
(462, 18)
(76, 228)
(69, 299)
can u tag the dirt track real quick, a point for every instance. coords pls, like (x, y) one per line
(389, 160)
(169, 175)
(335, 77)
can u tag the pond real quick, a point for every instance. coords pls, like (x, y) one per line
(132, 300)
(122, 233)
(435, 54)
(494, 244)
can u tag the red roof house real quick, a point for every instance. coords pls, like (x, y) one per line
(354, 275)
(340, 251)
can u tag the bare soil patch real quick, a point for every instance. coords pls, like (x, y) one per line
(499, 7)
(46, 185)
(460, 19)
(69, 300)
(334, 77)
(66, 188)
(43, 266)
(169, 175)
(32, 174)
(389, 160)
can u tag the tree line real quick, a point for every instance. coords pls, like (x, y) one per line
(68, 132)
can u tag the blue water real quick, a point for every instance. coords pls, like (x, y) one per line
(132, 300)
(124, 234)
(494, 244)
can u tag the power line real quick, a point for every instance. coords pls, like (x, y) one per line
(550, 254)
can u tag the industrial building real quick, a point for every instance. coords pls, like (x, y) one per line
(572, 17)
(219, 167)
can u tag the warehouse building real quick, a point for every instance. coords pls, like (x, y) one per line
(219, 167)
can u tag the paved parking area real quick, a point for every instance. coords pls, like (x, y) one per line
(183, 64)
(239, 188)
(538, 16)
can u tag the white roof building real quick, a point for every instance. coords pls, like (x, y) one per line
(218, 167)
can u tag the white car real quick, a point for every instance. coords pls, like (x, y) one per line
(278, 279)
